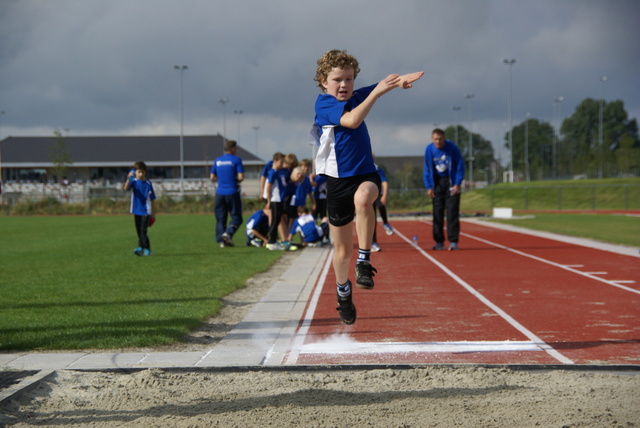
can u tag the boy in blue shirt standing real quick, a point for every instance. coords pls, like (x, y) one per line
(346, 158)
(443, 175)
(142, 197)
(228, 171)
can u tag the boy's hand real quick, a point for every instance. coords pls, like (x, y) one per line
(390, 82)
(407, 80)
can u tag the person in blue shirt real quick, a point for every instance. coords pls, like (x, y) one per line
(142, 197)
(257, 229)
(302, 190)
(443, 176)
(275, 193)
(306, 226)
(228, 171)
(345, 157)
(263, 178)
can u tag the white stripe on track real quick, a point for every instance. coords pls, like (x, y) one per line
(301, 333)
(529, 334)
(590, 275)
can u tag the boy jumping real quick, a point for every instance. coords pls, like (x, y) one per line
(346, 158)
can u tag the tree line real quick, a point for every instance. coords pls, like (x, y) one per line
(598, 140)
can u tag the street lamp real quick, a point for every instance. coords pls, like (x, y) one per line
(255, 128)
(238, 112)
(224, 102)
(468, 97)
(556, 103)
(510, 63)
(526, 147)
(456, 109)
(181, 69)
(602, 79)
(1, 114)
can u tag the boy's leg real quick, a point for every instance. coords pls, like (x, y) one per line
(137, 220)
(364, 198)
(276, 213)
(343, 246)
(143, 231)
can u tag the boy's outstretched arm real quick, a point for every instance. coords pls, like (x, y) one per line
(354, 118)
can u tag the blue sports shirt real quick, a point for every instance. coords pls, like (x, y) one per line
(226, 168)
(343, 152)
(306, 225)
(141, 196)
(447, 162)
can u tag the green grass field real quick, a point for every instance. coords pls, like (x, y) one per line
(612, 228)
(73, 282)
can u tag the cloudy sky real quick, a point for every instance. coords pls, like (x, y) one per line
(106, 67)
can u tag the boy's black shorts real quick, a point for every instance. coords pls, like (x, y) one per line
(340, 194)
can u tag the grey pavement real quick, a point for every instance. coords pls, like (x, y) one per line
(261, 338)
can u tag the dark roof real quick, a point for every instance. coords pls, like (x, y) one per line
(118, 151)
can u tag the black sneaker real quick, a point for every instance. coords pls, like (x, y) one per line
(364, 275)
(226, 240)
(346, 309)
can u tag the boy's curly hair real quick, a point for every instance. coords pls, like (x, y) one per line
(335, 58)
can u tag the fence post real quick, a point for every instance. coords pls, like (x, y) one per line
(593, 197)
(526, 198)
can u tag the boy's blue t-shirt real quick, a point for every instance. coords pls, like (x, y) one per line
(306, 225)
(226, 168)
(256, 220)
(267, 167)
(279, 179)
(343, 152)
(320, 190)
(141, 196)
(299, 198)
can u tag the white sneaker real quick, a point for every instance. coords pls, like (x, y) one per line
(388, 229)
(375, 248)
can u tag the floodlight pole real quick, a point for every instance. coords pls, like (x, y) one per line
(255, 128)
(600, 140)
(510, 63)
(456, 109)
(1, 180)
(224, 102)
(468, 97)
(181, 69)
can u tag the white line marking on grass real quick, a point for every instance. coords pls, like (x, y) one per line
(529, 334)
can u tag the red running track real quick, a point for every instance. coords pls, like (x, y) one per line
(504, 298)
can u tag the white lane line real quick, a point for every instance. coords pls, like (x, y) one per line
(301, 333)
(529, 334)
(342, 346)
(561, 266)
